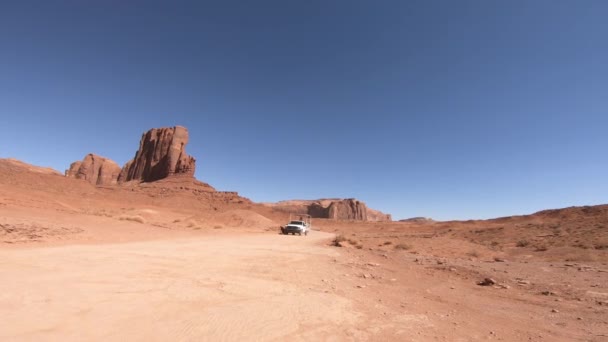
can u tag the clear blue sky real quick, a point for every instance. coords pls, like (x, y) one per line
(448, 109)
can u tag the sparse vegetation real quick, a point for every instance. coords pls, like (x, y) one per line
(601, 246)
(403, 246)
(338, 240)
(353, 242)
(134, 218)
(522, 243)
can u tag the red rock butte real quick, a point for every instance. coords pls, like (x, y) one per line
(161, 153)
(94, 169)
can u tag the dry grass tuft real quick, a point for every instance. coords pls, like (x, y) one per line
(135, 218)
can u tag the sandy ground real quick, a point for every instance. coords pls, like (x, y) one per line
(256, 287)
(260, 287)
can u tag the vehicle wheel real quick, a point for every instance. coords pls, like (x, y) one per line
(300, 234)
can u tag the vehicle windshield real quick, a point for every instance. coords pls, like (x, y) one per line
(296, 222)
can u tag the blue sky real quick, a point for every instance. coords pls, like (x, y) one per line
(446, 109)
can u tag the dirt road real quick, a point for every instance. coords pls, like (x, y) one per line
(256, 287)
(264, 287)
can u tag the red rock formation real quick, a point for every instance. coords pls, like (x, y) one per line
(338, 209)
(161, 153)
(348, 209)
(95, 169)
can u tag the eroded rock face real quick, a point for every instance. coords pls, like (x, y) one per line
(337, 209)
(347, 209)
(95, 169)
(161, 153)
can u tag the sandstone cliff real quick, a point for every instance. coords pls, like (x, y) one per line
(161, 153)
(337, 209)
(95, 169)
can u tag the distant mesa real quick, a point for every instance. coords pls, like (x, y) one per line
(418, 220)
(161, 153)
(94, 169)
(335, 208)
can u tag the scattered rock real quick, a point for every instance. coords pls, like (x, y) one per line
(548, 293)
(487, 282)
(555, 311)
(499, 259)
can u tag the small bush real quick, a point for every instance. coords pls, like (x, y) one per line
(403, 246)
(522, 243)
(338, 240)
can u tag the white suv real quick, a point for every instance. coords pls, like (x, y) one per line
(294, 227)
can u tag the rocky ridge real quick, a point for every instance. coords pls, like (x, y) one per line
(335, 208)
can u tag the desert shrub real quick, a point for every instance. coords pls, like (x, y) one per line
(601, 246)
(386, 243)
(403, 246)
(541, 248)
(135, 218)
(338, 239)
(522, 243)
